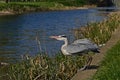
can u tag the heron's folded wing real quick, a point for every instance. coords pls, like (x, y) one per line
(76, 48)
(85, 41)
(88, 43)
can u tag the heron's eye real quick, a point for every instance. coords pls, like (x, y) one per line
(63, 36)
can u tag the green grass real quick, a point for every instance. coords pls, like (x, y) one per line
(42, 5)
(20, 7)
(110, 67)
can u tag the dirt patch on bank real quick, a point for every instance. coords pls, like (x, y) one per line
(6, 13)
(97, 58)
(12, 12)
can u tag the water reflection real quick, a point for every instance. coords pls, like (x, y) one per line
(8, 35)
(18, 33)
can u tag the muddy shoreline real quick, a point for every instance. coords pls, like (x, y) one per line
(11, 12)
(6, 13)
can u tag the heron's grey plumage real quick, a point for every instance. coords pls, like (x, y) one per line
(78, 46)
(75, 48)
(85, 40)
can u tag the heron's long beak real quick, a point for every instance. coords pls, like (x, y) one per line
(54, 37)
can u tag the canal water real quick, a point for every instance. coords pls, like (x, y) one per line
(19, 34)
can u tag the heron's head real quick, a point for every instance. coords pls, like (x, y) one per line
(60, 37)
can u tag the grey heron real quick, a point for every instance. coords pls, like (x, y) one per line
(78, 47)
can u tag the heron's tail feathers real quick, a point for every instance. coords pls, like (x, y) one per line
(96, 51)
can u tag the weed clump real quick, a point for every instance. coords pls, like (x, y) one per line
(42, 67)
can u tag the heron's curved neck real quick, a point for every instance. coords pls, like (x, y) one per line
(66, 42)
(64, 46)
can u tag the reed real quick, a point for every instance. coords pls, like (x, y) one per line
(43, 67)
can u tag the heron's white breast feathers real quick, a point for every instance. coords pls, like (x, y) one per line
(64, 51)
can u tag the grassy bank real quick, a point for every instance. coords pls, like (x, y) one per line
(109, 69)
(20, 7)
(28, 6)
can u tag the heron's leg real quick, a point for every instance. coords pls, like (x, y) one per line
(83, 68)
(87, 62)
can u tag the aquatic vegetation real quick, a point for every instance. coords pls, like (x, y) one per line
(101, 32)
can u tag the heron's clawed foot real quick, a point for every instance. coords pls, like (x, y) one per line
(83, 68)
(86, 66)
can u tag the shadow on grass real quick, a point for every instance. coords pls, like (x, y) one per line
(92, 67)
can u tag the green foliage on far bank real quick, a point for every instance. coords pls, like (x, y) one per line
(43, 5)
(110, 66)
(20, 7)
(74, 2)
(64, 2)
